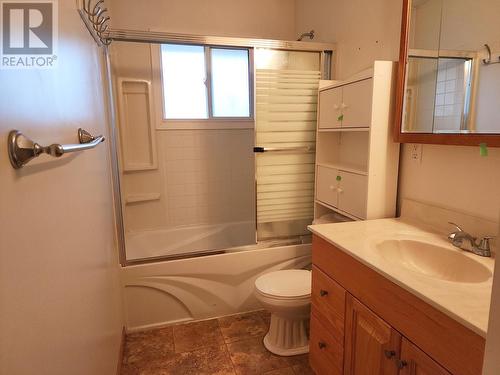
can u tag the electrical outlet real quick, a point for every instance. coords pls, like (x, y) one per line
(416, 153)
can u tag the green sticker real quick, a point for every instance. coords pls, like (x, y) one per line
(340, 118)
(483, 149)
(339, 178)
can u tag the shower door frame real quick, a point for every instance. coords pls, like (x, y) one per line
(327, 61)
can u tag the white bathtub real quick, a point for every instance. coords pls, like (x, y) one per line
(185, 240)
(163, 293)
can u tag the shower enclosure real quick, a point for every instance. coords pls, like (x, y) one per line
(214, 142)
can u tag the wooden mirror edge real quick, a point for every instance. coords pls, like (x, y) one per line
(491, 140)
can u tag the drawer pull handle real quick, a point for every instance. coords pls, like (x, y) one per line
(401, 364)
(389, 353)
(323, 292)
(321, 345)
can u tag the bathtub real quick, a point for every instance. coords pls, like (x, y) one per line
(163, 293)
(185, 240)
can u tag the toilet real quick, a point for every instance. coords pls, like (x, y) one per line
(286, 295)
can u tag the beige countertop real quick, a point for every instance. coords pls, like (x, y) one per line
(466, 302)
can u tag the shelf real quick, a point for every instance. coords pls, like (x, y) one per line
(337, 210)
(137, 198)
(347, 151)
(361, 76)
(345, 168)
(341, 130)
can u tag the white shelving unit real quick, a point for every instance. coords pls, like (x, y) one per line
(356, 159)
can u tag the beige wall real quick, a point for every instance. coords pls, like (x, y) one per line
(240, 18)
(363, 30)
(60, 303)
(455, 177)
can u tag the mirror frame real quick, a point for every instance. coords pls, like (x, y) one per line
(491, 140)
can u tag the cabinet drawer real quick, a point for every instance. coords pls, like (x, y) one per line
(328, 298)
(325, 353)
(327, 186)
(329, 108)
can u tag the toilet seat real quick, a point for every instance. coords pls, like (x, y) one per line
(285, 284)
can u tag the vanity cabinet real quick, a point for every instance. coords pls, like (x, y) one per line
(363, 323)
(356, 160)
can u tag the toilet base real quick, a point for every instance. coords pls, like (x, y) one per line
(287, 337)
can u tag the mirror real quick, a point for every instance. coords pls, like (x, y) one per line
(449, 80)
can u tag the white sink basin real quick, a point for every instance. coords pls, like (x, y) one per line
(434, 261)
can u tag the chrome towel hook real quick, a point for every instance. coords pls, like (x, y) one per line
(488, 60)
(22, 149)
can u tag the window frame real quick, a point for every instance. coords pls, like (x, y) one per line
(209, 90)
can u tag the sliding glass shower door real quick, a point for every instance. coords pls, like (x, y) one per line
(285, 136)
(186, 174)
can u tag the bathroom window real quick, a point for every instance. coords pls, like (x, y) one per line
(202, 82)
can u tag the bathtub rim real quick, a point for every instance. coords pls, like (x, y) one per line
(285, 242)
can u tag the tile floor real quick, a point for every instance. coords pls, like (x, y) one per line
(230, 345)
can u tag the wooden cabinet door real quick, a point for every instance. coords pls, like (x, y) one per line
(357, 104)
(353, 194)
(330, 108)
(415, 362)
(371, 345)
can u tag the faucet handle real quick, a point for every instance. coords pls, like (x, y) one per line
(484, 243)
(456, 226)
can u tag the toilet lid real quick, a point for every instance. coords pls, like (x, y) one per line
(285, 283)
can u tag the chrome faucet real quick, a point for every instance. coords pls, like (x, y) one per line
(467, 242)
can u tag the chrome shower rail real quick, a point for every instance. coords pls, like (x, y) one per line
(146, 36)
(22, 149)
